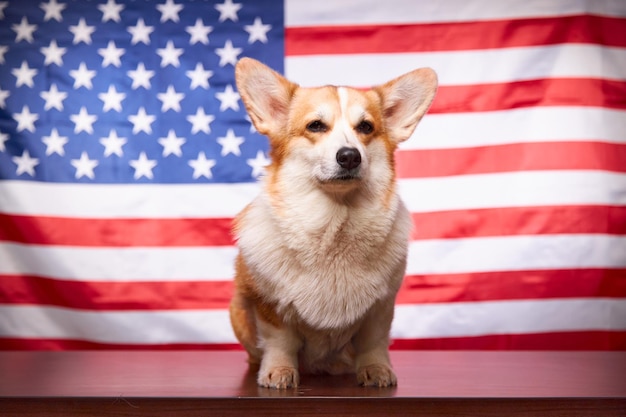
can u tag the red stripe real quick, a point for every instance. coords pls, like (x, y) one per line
(115, 232)
(540, 156)
(509, 221)
(505, 285)
(7, 343)
(455, 36)
(512, 285)
(583, 340)
(530, 93)
(188, 295)
(432, 225)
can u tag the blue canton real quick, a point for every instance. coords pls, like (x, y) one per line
(132, 91)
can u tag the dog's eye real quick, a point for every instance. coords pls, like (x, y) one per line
(316, 126)
(365, 127)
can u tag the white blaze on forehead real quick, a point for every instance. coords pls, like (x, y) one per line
(347, 114)
(352, 112)
(343, 101)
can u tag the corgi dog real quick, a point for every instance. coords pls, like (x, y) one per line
(323, 247)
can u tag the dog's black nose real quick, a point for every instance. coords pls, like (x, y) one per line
(348, 158)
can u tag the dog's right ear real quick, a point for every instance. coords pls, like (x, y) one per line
(265, 93)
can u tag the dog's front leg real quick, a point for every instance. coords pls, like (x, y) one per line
(279, 366)
(373, 367)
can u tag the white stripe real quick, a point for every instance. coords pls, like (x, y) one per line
(368, 12)
(534, 124)
(462, 67)
(129, 327)
(514, 189)
(526, 188)
(433, 256)
(508, 317)
(126, 200)
(411, 321)
(119, 264)
(516, 253)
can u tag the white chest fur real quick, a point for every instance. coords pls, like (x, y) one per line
(327, 264)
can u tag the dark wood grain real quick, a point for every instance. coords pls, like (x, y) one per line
(450, 383)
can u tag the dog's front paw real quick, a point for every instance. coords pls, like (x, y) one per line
(280, 378)
(376, 375)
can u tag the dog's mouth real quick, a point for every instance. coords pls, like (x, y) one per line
(341, 182)
(346, 177)
(334, 179)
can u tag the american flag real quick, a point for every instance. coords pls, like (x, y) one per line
(125, 152)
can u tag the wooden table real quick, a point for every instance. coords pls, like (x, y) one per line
(443, 383)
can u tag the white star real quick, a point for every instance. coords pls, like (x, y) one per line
(199, 32)
(228, 99)
(141, 77)
(228, 54)
(4, 137)
(53, 54)
(54, 98)
(111, 11)
(112, 99)
(202, 166)
(200, 121)
(83, 121)
(4, 94)
(84, 166)
(53, 10)
(230, 143)
(25, 164)
(169, 11)
(199, 77)
(24, 31)
(258, 164)
(82, 32)
(26, 120)
(24, 75)
(169, 55)
(257, 31)
(3, 50)
(55, 143)
(171, 144)
(113, 144)
(228, 10)
(170, 99)
(143, 166)
(3, 5)
(142, 121)
(140, 32)
(82, 76)
(111, 55)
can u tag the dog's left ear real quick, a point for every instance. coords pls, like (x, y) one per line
(405, 100)
(265, 93)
